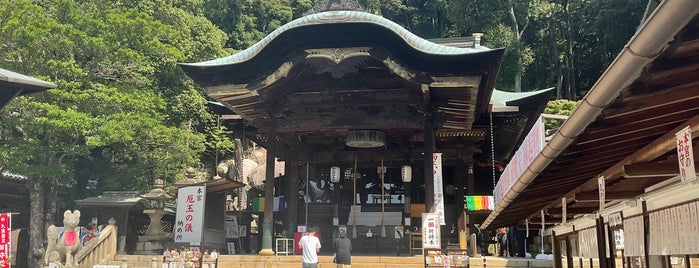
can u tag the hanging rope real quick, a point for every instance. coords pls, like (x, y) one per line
(492, 149)
(354, 198)
(383, 192)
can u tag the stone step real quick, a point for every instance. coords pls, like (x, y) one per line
(241, 261)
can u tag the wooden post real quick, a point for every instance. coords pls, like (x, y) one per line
(601, 244)
(292, 165)
(267, 223)
(556, 250)
(428, 150)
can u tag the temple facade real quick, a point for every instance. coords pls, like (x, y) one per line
(359, 110)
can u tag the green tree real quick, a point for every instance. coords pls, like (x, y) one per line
(559, 107)
(563, 43)
(248, 21)
(123, 112)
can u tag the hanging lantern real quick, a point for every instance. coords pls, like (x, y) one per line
(406, 173)
(335, 174)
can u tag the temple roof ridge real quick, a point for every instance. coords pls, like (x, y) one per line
(343, 17)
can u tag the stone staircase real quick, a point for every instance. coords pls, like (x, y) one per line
(245, 261)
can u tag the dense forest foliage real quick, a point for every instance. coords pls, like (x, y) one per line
(124, 113)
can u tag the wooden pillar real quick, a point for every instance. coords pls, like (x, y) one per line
(470, 180)
(601, 244)
(428, 149)
(569, 253)
(292, 167)
(460, 177)
(646, 233)
(470, 190)
(268, 223)
(611, 261)
(460, 183)
(556, 250)
(407, 198)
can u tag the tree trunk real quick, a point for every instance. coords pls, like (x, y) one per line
(51, 202)
(555, 59)
(518, 48)
(570, 69)
(37, 229)
(569, 65)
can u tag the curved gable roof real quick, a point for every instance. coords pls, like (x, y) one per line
(324, 74)
(337, 29)
(330, 18)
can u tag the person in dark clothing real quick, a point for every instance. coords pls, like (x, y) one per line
(521, 237)
(343, 248)
(483, 242)
(503, 243)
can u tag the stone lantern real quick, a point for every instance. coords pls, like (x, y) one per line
(153, 241)
(156, 198)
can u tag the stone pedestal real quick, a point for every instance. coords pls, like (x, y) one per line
(151, 245)
(155, 228)
(154, 240)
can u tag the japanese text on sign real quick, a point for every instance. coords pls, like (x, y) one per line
(685, 155)
(530, 148)
(189, 222)
(438, 187)
(431, 236)
(5, 242)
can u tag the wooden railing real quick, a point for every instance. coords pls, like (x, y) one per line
(101, 249)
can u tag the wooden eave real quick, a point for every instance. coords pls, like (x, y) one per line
(318, 77)
(13, 84)
(661, 100)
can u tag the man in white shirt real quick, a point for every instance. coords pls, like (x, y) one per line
(311, 247)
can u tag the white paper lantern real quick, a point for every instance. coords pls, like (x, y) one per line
(335, 174)
(406, 173)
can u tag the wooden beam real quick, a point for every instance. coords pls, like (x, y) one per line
(569, 211)
(649, 152)
(608, 196)
(661, 169)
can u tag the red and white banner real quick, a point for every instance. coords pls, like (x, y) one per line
(530, 148)
(189, 222)
(5, 240)
(431, 235)
(685, 155)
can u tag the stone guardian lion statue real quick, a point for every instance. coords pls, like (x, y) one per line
(65, 247)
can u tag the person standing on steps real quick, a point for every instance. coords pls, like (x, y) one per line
(343, 250)
(311, 247)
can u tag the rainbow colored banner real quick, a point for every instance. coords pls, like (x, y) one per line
(479, 202)
(258, 204)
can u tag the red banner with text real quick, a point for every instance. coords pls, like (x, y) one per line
(5, 240)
